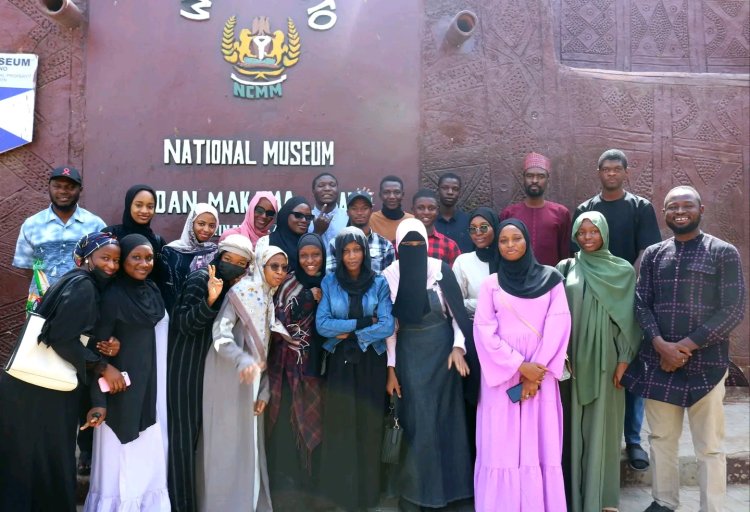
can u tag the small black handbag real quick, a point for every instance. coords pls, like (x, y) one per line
(391, 452)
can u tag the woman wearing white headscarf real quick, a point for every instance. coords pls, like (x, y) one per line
(426, 370)
(194, 250)
(231, 471)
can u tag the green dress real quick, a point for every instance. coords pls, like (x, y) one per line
(600, 289)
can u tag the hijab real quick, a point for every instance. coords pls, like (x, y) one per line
(489, 254)
(188, 243)
(411, 302)
(610, 282)
(525, 278)
(354, 287)
(247, 228)
(88, 244)
(144, 303)
(283, 237)
(130, 226)
(252, 298)
(307, 281)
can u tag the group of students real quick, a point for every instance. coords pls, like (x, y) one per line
(259, 376)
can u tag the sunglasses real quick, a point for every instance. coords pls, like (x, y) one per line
(259, 210)
(308, 217)
(483, 228)
(276, 267)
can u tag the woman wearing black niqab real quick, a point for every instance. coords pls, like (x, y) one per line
(426, 372)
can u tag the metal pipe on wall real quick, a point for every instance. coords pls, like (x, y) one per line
(64, 12)
(461, 28)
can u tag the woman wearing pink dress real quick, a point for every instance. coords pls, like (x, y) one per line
(521, 330)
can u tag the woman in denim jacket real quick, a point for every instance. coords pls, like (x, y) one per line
(355, 317)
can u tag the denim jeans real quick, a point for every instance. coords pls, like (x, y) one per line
(633, 417)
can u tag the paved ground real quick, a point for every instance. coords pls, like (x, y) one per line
(636, 499)
(636, 490)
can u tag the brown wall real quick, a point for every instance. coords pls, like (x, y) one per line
(382, 85)
(508, 91)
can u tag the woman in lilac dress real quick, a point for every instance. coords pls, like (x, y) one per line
(521, 330)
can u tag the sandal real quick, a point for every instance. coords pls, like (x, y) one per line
(637, 457)
(84, 464)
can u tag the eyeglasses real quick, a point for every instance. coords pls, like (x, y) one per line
(276, 267)
(307, 216)
(483, 228)
(259, 210)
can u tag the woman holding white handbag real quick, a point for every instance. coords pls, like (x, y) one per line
(37, 423)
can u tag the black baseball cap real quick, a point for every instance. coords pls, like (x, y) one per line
(66, 172)
(359, 195)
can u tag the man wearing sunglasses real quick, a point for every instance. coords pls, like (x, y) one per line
(359, 210)
(548, 223)
(329, 218)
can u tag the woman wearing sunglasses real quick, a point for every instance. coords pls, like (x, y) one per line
(293, 220)
(472, 268)
(231, 469)
(259, 217)
(354, 315)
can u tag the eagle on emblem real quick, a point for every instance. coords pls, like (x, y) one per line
(258, 52)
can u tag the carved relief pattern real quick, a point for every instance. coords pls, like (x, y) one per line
(587, 27)
(655, 35)
(672, 130)
(24, 171)
(659, 29)
(727, 30)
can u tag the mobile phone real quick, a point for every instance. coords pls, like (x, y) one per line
(514, 393)
(105, 387)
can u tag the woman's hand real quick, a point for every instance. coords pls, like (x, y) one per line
(619, 372)
(342, 336)
(95, 417)
(391, 383)
(215, 285)
(115, 379)
(529, 389)
(260, 406)
(247, 374)
(317, 294)
(534, 372)
(109, 348)
(456, 358)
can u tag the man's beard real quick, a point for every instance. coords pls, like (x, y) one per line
(65, 208)
(539, 192)
(685, 229)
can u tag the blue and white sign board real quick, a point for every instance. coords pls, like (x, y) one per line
(17, 91)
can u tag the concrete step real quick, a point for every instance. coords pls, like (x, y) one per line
(737, 447)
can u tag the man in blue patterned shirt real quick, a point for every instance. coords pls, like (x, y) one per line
(359, 209)
(47, 238)
(690, 296)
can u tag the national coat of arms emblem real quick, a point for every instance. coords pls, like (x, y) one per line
(259, 57)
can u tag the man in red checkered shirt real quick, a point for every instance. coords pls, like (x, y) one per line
(425, 208)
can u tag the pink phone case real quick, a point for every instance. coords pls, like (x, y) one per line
(105, 387)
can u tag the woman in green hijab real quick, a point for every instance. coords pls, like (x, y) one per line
(604, 339)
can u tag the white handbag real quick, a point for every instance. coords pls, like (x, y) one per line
(37, 363)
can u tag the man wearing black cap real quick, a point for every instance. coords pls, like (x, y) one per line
(359, 210)
(46, 244)
(47, 238)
